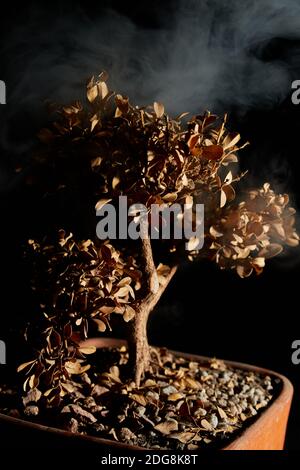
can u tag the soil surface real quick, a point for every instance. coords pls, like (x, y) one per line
(180, 405)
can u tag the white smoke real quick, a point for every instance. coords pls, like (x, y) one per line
(207, 54)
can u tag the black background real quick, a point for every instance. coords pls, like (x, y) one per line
(204, 311)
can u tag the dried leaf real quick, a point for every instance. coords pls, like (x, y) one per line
(33, 381)
(94, 123)
(206, 425)
(231, 158)
(229, 192)
(25, 365)
(222, 413)
(115, 182)
(139, 399)
(102, 89)
(101, 326)
(101, 203)
(175, 396)
(193, 244)
(129, 313)
(166, 427)
(92, 93)
(193, 141)
(183, 437)
(215, 232)
(159, 109)
(223, 198)
(244, 271)
(87, 349)
(122, 103)
(170, 197)
(75, 367)
(191, 383)
(212, 152)
(115, 371)
(228, 178)
(68, 387)
(232, 142)
(122, 292)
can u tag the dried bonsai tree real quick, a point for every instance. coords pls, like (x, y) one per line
(110, 148)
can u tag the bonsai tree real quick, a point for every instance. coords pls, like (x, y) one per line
(91, 155)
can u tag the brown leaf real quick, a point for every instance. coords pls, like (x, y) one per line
(94, 123)
(68, 387)
(232, 142)
(33, 381)
(159, 109)
(140, 399)
(68, 330)
(122, 103)
(193, 140)
(92, 93)
(122, 292)
(175, 396)
(101, 203)
(166, 427)
(87, 349)
(228, 178)
(24, 365)
(129, 313)
(114, 371)
(170, 197)
(229, 192)
(102, 89)
(206, 425)
(193, 243)
(183, 437)
(191, 383)
(222, 413)
(79, 411)
(125, 281)
(75, 367)
(223, 198)
(101, 326)
(212, 152)
(106, 309)
(181, 116)
(229, 159)
(244, 271)
(115, 182)
(214, 232)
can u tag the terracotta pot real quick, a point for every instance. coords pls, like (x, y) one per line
(267, 432)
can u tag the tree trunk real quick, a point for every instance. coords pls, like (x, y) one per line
(139, 351)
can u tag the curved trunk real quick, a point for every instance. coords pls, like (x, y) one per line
(139, 351)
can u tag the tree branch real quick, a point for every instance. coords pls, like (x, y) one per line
(149, 302)
(150, 268)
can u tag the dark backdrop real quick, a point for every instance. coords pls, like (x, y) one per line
(205, 311)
